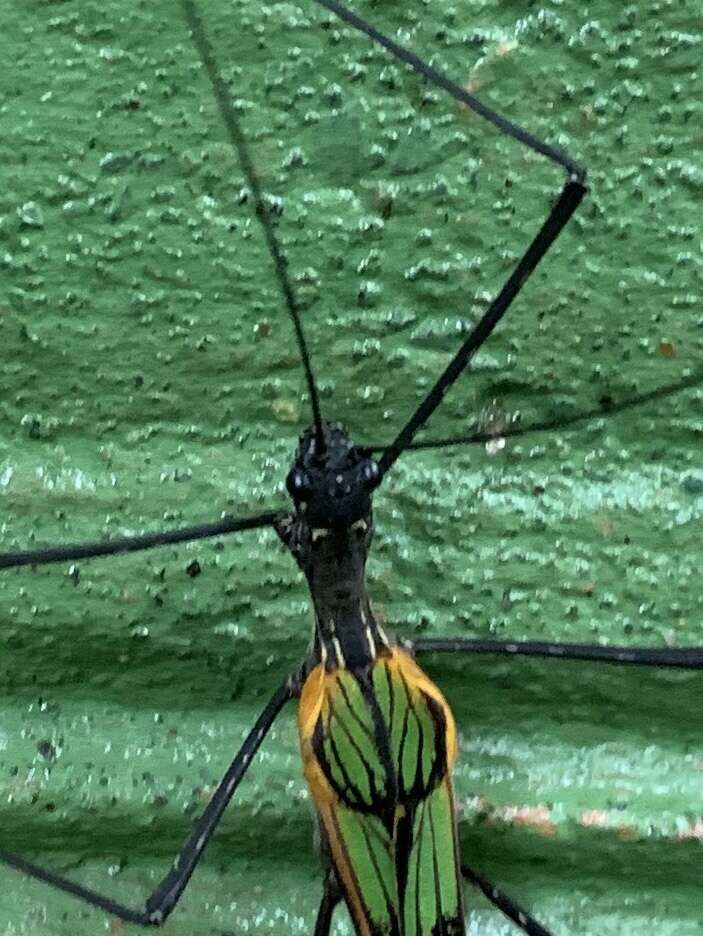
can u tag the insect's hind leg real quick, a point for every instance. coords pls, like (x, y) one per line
(167, 894)
(527, 923)
(330, 898)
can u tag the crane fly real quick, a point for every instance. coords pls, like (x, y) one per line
(377, 737)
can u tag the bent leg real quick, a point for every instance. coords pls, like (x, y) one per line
(167, 894)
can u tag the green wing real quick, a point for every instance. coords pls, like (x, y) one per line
(419, 894)
(364, 860)
(381, 744)
(432, 900)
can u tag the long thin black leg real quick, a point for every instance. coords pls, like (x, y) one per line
(513, 911)
(134, 543)
(330, 898)
(166, 895)
(456, 90)
(683, 658)
(568, 202)
(605, 409)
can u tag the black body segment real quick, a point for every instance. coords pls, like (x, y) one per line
(332, 486)
(329, 536)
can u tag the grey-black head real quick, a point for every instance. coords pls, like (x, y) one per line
(332, 488)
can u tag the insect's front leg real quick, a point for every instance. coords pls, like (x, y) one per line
(166, 895)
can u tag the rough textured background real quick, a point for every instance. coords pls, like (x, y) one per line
(149, 378)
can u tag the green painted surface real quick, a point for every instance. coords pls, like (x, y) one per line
(149, 378)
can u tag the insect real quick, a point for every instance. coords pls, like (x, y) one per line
(146, 295)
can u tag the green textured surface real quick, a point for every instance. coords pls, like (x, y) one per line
(148, 378)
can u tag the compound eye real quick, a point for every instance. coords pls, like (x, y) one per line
(371, 473)
(297, 483)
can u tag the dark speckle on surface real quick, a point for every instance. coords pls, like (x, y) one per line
(149, 379)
